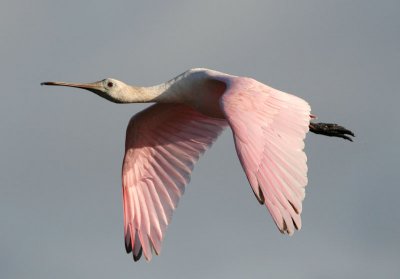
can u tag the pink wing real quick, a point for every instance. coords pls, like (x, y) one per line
(269, 127)
(162, 144)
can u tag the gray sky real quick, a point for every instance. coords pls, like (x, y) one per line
(61, 149)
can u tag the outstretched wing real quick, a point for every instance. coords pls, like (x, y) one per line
(269, 127)
(162, 144)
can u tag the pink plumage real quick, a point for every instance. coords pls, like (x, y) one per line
(164, 141)
(269, 127)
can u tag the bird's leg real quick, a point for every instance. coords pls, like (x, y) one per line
(331, 130)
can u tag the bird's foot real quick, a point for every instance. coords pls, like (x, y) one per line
(331, 130)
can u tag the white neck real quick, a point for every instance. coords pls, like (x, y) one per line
(135, 94)
(180, 89)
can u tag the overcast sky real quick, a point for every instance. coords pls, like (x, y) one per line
(61, 149)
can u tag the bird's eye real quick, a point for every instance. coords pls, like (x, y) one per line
(110, 84)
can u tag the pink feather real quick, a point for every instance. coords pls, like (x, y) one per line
(164, 141)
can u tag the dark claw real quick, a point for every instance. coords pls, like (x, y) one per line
(331, 130)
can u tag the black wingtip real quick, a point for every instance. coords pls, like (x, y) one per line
(128, 247)
(138, 256)
(128, 241)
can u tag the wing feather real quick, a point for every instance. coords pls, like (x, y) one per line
(164, 141)
(162, 144)
(269, 127)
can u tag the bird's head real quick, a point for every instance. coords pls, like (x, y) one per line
(109, 88)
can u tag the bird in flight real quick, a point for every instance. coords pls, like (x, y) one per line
(164, 141)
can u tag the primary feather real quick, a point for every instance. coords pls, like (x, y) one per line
(163, 143)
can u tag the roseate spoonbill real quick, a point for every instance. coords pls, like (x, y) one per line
(164, 141)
